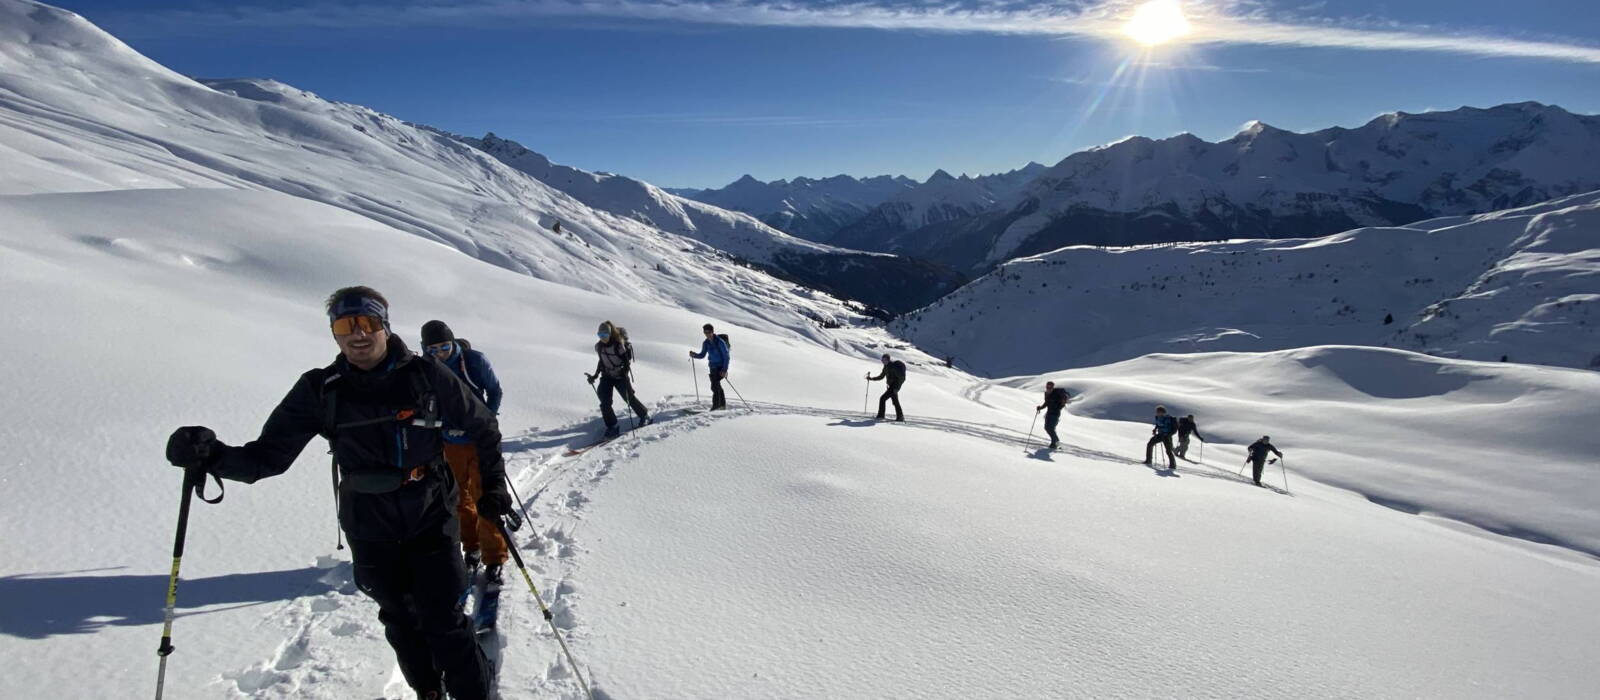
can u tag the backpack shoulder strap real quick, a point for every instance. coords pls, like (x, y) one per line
(330, 404)
(427, 399)
(466, 374)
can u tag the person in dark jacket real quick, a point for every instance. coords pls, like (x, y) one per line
(612, 369)
(894, 374)
(1165, 426)
(1257, 456)
(715, 348)
(1054, 399)
(1185, 427)
(380, 406)
(480, 537)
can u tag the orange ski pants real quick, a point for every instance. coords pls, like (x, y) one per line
(476, 532)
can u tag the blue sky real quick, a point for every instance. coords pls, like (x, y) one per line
(699, 93)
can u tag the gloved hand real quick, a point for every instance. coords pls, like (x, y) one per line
(1038, 408)
(723, 374)
(495, 501)
(590, 377)
(192, 446)
(691, 355)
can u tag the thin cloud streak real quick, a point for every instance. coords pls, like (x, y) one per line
(1100, 21)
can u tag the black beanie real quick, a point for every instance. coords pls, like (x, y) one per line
(435, 332)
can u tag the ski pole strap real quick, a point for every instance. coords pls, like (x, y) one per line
(200, 489)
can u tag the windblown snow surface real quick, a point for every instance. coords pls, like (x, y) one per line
(1521, 283)
(788, 548)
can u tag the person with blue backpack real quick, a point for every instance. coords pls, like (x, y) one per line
(717, 353)
(480, 537)
(1165, 426)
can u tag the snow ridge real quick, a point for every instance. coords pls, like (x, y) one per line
(1518, 284)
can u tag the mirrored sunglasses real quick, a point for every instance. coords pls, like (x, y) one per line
(349, 324)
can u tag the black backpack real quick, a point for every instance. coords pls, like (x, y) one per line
(896, 373)
(725, 342)
(1059, 397)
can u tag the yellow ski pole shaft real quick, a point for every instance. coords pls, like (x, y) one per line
(548, 617)
(192, 478)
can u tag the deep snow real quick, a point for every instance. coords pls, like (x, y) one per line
(799, 552)
(788, 548)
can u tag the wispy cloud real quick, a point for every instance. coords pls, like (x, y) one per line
(733, 119)
(1225, 22)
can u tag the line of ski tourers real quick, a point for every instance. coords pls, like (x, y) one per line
(419, 480)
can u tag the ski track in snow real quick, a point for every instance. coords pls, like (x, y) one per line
(558, 488)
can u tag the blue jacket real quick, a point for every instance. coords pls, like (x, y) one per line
(1166, 425)
(473, 368)
(717, 350)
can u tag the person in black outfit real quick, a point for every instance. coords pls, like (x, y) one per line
(1055, 400)
(1258, 456)
(612, 369)
(1185, 427)
(380, 407)
(894, 374)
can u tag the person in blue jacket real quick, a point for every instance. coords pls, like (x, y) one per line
(1165, 426)
(715, 347)
(480, 538)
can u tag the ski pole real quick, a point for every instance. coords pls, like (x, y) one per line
(696, 378)
(1284, 465)
(1029, 443)
(1202, 459)
(548, 617)
(520, 504)
(865, 392)
(194, 481)
(736, 393)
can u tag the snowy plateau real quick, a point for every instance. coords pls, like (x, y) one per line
(166, 243)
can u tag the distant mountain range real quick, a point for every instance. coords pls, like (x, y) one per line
(1263, 182)
(888, 282)
(811, 209)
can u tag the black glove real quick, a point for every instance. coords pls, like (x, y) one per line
(494, 502)
(193, 446)
(590, 377)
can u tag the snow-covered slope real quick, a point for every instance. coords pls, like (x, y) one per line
(814, 209)
(1482, 443)
(792, 550)
(164, 253)
(80, 111)
(884, 281)
(942, 198)
(1270, 183)
(1522, 283)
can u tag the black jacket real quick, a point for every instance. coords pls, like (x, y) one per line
(1186, 426)
(1056, 399)
(393, 485)
(1259, 450)
(894, 373)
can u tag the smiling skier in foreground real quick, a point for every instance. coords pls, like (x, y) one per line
(380, 406)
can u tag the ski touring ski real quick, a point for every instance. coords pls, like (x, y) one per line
(486, 614)
(575, 451)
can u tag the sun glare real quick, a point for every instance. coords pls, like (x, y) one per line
(1157, 22)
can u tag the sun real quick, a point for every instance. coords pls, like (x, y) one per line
(1157, 22)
